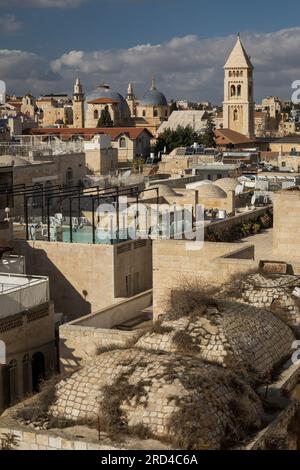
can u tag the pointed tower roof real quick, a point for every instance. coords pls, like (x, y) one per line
(239, 57)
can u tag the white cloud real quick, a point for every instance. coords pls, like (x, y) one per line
(185, 67)
(42, 3)
(9, 24)
(24, 71)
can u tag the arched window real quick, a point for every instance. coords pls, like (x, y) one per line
(26, 375)
(232, 90)
(241, 73)
(13, 381)
(144, 113)
(239, 90)
(235, 115)
(69, 177)
(96, 114)
(237, 73)
(155, 113)
(122, 143)
(230, 74)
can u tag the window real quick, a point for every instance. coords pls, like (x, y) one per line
(235, 115)
(232, 90)
(13, 381)
(144, 113)
(239, 90)
(241, 73)
(37, 198)
(26, 375)
(96, 114)
(283, 164)
(69, 177)
(155, 113)
(122, 143)
(230, 74)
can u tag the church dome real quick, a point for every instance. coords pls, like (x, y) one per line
(104, 91)
(153, 97)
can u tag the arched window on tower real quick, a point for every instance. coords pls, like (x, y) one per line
(155, 113)
(96, 114)
(232, 90)
(144, 113)
(241, 73)
(237, 73)
(230, 73)
(239, 90)
(235, 115)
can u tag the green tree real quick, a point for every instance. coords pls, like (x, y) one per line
(209, 138)
(105, 119)
(181, 137)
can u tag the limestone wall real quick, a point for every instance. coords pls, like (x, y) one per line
(286, 241)
(174, 264)
(85, 278)
(81, 339)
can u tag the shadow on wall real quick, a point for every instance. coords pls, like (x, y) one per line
(66, 298)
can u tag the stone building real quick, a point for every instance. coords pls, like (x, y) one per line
(238, 106)
(151, 110)
(116, 104)
(27, 330)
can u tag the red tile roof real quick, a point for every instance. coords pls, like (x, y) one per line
(114, 132)
(103, 101)
(224, 136)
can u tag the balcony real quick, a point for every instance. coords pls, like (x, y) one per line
(19, 293)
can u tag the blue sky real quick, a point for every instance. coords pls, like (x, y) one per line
(52, 42)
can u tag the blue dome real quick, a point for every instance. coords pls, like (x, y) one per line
(106, 92)
(154, 97)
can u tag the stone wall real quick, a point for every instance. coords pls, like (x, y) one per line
(80, 340)
(218, 228)
(85, 278)
(174, 264)
(286, 241)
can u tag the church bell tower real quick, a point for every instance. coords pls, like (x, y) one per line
(238, 105)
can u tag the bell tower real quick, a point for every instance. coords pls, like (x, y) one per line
(131, 100)
(238, 105)
(78, 105)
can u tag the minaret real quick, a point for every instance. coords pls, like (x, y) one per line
(78, 105)
(131, 100)
(238, 105)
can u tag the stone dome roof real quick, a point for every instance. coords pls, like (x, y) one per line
(235, 335)
(164, 191)
(211, 191)
(227, 184)
(153, 97)
(197, 184)
(12, 160)
(104, 91)
(189, 403)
